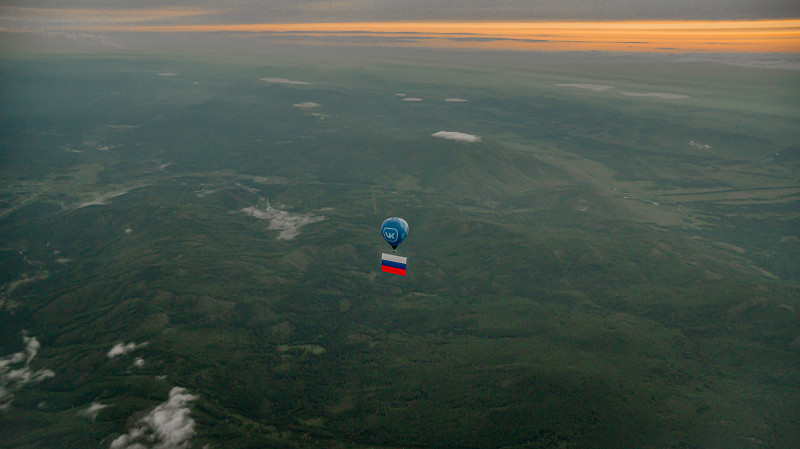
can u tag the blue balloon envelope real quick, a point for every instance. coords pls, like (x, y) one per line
(394, 230)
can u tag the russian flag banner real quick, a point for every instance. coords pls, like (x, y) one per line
(393, 264)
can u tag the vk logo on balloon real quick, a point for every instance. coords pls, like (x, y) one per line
(390, 235)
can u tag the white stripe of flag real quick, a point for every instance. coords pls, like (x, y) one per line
(393, 258)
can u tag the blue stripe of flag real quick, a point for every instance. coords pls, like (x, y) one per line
(389, 263)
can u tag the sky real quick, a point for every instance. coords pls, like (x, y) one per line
(283, 11)
(546, 25)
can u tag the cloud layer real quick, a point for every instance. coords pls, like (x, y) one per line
(122, 349)
(287, 223)
(103, 199)
(307, 105)
(283, 81)
(598, 87)
(92, 411)
(168, 426)
(16, 372)
(457, 136)
(668, 96)
(702, 146)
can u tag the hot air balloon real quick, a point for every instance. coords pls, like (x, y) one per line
(394, 230)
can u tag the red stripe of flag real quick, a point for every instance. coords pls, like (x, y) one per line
(393, 270)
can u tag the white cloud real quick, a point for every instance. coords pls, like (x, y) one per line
(287, 223)
(139, 362)
(412, 99)
(168, 426)
(597, 87)
(455, 100)
(453, 135)
(283, 81)
(40, 276)
(122, 349)
(92, 411)
(13, 377)
(702, 146)
(102, 199)
(307, 105)
(656, 94)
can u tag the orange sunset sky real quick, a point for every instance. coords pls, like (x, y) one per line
(650, 36)
(664, 36)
